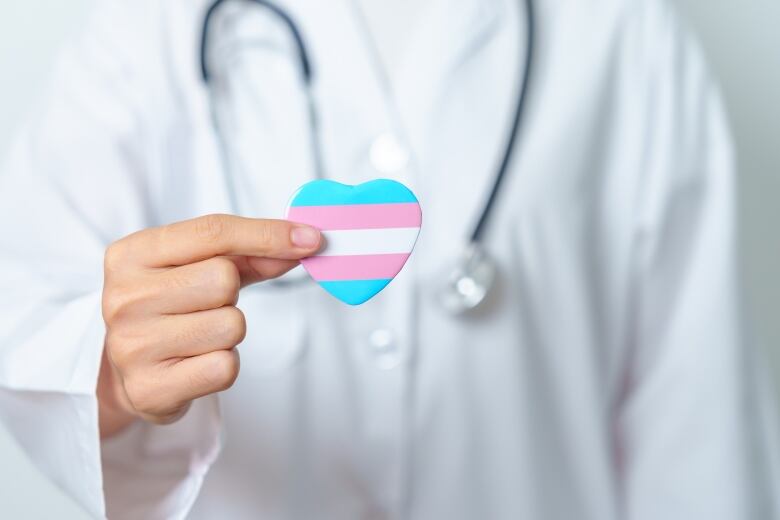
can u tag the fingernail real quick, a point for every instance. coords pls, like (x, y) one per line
(305, 236)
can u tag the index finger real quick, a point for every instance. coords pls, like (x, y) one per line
(208, 236)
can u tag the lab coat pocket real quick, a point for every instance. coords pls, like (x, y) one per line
(275, 328)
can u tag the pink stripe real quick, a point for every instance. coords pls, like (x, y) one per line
(358, 216)
(354, 267)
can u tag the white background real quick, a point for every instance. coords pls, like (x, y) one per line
(743, 45)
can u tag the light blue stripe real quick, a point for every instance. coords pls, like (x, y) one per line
(354, 292)
(324, 192)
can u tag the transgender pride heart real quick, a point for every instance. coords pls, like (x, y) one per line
(369, 231)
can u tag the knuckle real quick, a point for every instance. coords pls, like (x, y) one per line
(114, 304)
(110, 307)
(227, 279)
(234, 326)
(123, 351)
(114, 256)
(211, 228)
(128, 352)
(145, 397)
(115, 350)
(122, 300)
(141, 397)
(222, 371)
(121, 358)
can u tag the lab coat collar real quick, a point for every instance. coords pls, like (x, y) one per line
(448, 34)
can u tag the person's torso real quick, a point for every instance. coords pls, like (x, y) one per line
(396, 409)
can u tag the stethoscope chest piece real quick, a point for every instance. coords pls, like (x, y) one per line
(468, 282)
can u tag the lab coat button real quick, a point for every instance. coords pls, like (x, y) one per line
(384, 349)
(387, 154)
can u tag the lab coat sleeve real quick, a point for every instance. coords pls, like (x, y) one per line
(79, 177)
(697, 429)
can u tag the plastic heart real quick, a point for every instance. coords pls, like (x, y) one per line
(369, 232)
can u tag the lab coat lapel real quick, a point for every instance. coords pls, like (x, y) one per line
(456, 93)
(451, 32)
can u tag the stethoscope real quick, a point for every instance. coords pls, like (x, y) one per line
(472, 275)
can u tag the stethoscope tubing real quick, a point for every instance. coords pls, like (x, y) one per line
(303, 55)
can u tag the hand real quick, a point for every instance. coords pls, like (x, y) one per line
(169, 304)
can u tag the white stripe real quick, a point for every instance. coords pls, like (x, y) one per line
(369, 241)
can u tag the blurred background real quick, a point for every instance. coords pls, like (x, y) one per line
(743, 46)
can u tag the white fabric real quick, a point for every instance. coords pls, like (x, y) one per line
(608, 377)
(388, 22)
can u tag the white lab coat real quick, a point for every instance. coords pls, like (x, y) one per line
(608, 377)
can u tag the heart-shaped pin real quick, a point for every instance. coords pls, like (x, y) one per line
(369, 232)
